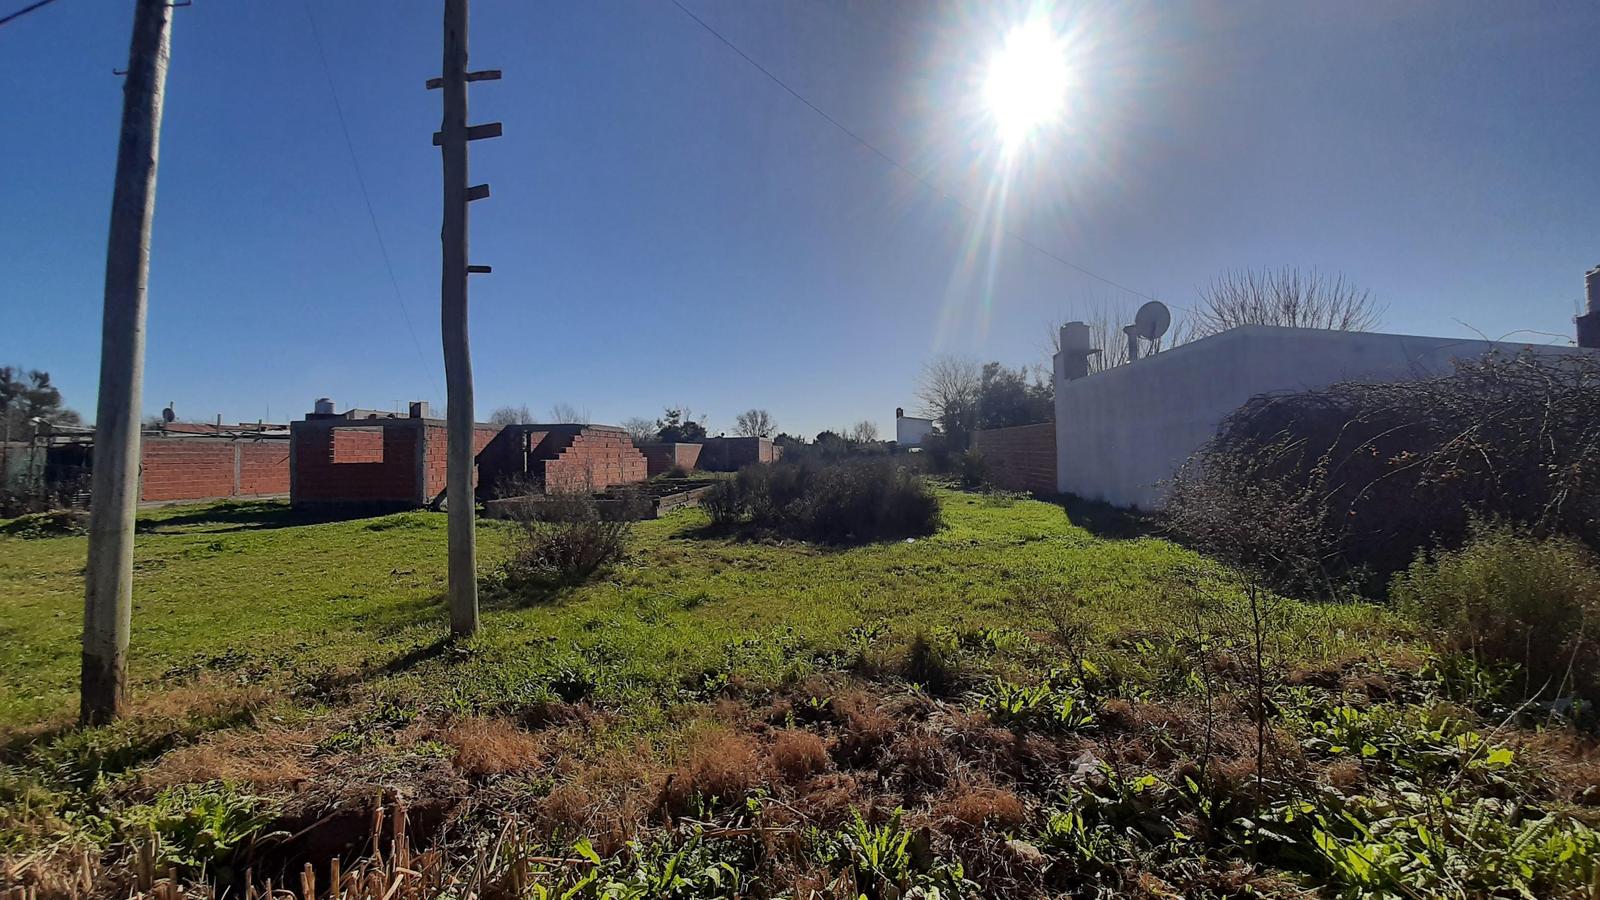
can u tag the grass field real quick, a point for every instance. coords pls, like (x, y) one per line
(241, 585)
(792, 719)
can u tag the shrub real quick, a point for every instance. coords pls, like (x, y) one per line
(55, 523)
(1354, 479)
(566, 542)
(1510, 597)
(864, 500)
(974, 470)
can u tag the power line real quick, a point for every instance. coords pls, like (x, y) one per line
(355, 163)
(896, 163)
(25, 10)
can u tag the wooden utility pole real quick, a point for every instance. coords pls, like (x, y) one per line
(108, 589)
(452, 139)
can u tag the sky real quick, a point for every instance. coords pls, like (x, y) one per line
(670, 227)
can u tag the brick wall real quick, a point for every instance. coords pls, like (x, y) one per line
(356, 445)
(263, 468)
(729, 454)
(437, 460)
(383, 470)
(1021, 458)
(598, 457)
(662, 458)
(205, 469)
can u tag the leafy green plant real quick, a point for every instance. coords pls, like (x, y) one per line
(1408, 740)
(888, 861)
(197, 825)
(1059, 703)
(666, 869)
(1446, 846)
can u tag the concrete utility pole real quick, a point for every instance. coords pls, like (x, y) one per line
(108, 593)
(452, 139)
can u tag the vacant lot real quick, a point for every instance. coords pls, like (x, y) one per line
(1013, 706)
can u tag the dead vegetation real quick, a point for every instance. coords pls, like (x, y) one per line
(1237, 754)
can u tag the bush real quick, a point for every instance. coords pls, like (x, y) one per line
(847, 502)
(565, 542)
(55, 523)
(1353, 480)
(1510, 597)
(974, 470)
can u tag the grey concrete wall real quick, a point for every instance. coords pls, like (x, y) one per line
(1122, 432)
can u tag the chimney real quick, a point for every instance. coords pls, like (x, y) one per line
(419, 409)
(1589, 322)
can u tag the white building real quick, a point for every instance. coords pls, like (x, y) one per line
(909, 431)
(1122, 432)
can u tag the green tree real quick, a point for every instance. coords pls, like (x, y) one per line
(1008, 397)
(26, 395)
(678, 426)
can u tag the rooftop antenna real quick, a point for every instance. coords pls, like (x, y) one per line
(1150, 322)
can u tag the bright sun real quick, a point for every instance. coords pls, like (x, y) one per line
(1026, 85)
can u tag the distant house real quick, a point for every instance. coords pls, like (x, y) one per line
(910, 431)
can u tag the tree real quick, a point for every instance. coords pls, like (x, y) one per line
(754, 423)
(785, 439)
(567, 413)
(1008, 397)
(678, 426)
(26, 395)
(1284, 297)
(642, 430)
(948, 389)
(511, 415)
(864, 432)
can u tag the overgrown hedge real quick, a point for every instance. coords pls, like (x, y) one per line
(844, 502)
(1348, 483)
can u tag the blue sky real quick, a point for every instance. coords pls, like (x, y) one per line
(668, 226)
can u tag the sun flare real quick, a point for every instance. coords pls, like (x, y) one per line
(1026, 85)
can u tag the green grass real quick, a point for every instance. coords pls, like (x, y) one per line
(929, 675)
(247, 588)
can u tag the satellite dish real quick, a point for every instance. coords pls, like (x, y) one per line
(167, 415)
(1152, 320)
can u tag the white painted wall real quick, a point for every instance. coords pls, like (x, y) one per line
(909, 430)
(1121, 432)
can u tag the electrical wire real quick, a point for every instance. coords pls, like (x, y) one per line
(920, 179)
(366, 197)
(24, 11)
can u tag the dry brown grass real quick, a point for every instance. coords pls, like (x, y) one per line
(609, 798)
(864, 729)
(921, 759)
(486, 747)
(977, 805)
(719, 764)
(798, 754)
(207, 697)
(263, 759)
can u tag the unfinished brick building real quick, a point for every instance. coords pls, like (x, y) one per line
(664, 457)
(730, 454)
(371, 459)
(560, 458)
